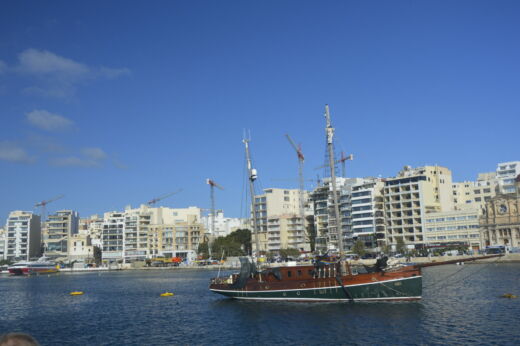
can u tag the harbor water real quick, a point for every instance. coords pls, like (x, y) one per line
(461, 305)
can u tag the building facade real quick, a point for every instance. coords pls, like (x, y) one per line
(453, 228)
(23, 240)
(280, 224)
(61, 226)
(506, 175)
(500, 222)
(412, 194)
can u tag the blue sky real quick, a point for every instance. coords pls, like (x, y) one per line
(114, 103)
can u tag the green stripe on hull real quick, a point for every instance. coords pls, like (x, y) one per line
(410, 288)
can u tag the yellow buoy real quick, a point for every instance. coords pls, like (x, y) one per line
(166, 294)
(508, 295)
(76, 293)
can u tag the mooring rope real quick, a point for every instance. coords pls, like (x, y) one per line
(461, 279)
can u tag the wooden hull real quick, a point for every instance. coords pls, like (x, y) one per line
(401, 285)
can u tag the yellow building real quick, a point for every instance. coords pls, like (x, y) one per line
(409, 197)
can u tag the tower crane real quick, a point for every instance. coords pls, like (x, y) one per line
(160, 198)
(43, 206)
(301, 159)
(212, 185)
(341, 160)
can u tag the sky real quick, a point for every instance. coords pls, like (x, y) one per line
(113, 103)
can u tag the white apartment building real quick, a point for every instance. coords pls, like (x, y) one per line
(453, 228)
(326, 236)
(223, 225)
(412, 194)
(23, 241)
(506, 174)
(61, 226)
(367, 213)
(112, 236)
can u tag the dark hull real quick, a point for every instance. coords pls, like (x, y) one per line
(394, 290)
(400, 285)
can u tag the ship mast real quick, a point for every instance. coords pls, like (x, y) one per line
(329, 130)
(252, 177)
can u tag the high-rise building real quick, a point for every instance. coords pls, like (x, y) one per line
(23, 241)
(409, 196)
(321, 197)
(280, 224)
(112, 236)
(61, 226)
(506, 174)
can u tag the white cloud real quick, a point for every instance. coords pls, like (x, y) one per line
(12, 152)
(57, 76)
(43, 62)
(91, 157)
(48, 121)
(94, 153)
(113, 73)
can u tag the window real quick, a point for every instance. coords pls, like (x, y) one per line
(286, 199)
(289, 273)
(477, 191)
(487, 190)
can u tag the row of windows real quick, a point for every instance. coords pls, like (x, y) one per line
(451, 228)
(452, 218)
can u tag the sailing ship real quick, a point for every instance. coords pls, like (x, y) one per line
(323, 281)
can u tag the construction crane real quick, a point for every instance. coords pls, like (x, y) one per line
(341, 160)
(43, 205)
(212, 185)
(301, 159)
(155, 200)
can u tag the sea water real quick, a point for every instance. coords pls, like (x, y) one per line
(461, 305)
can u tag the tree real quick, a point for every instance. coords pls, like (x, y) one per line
(359, 247)
(290, 252)
(202, 250)
(243, 237)
(97, 256)
(311, 232)
(399, 246)
(227, 246)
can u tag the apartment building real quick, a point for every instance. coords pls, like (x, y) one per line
(223, 225)
(367, 213)
(324, 223)
(23, 240)
(180, 239)
(112, 236)
(453, 228)
(409, 196)
(506, 175)
(135, 235)
(280, 224)
(474, 194)
(61, 226)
